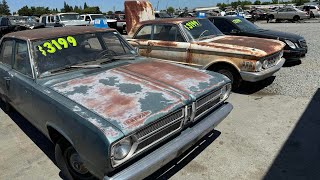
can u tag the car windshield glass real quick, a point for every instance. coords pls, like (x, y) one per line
(85, 49)
(245, 25)
(98, 16)
(199, 29)
(164, 15)
(68, 17)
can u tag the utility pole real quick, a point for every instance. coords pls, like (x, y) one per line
(158, 5)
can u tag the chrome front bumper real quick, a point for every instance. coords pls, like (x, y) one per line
(258, 76)
(174, 148)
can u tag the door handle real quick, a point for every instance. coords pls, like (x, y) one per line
(7, 79)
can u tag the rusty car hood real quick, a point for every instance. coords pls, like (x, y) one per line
(133, 95)
(251, 46)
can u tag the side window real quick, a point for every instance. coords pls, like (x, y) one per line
(167, 33)
(144, 33)
(114, 44)
(6, 52)
(223, 26)
(43, 19)
(87, 18)
(21, 58)
(51, 19)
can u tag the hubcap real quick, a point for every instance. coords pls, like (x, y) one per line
(77, 164)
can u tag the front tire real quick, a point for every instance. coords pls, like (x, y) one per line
(72, 162)
(232, 75)
(296, 18)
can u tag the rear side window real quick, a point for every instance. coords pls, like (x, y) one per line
(21, 58)
(43, 19)
(167, 33)
(6, 52)
(144, 33)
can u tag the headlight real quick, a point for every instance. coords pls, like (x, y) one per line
(258, 66)
(291, 44)
(265, 64)
(122, 148)
(225, 92)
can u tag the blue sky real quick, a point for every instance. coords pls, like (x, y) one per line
(106, 5)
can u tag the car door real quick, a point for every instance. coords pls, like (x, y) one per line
(168, 43)
(6, 57)
(20, 90)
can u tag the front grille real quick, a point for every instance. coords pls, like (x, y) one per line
(160, 124)
(206, 102)
(205, 99)
(157, 136)
(201, 111)
(303, 43)
(273, 59)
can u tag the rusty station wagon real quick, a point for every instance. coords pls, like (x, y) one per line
(110, 113)
(197, 42)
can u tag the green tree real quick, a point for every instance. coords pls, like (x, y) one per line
(85, 6)
(257, 2)
(92, 10)
(109, 12)
(4, 8)
(25, 11)
(170, 10)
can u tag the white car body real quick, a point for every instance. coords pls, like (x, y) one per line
(289, 13)
(91, 17)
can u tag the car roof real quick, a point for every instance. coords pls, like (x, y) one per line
(224, 17)
(47, 33)
(168, 20)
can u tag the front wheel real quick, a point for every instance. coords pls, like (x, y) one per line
(73, 162)
(232, 75)
(296, 18)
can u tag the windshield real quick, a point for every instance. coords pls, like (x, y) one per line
(164, 15)
(21, 19)
(68, 17)
(245, 25)
(98, 16)
(59, 52)
(199, 29)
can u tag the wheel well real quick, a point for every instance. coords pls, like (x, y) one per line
(221, 65)
(296, 16)
(54, 135)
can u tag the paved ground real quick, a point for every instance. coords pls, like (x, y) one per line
(269, 135)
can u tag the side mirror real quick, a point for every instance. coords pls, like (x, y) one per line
(235, 31)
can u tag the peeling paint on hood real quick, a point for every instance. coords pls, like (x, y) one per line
(137, 94)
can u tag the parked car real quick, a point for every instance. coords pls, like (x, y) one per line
(259, 14)
(62, 19)
(112, 23)
(288, 13)
(26, 21)
(161, 14)
(296, 46)
(243, 14)
(110, 113)
(7, 27)
(121, 21)
(312, 10)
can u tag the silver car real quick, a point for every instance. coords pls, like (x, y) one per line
(288, 13)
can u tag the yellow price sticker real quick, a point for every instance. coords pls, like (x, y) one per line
(192, 24)
(51, 46)
(236, 21)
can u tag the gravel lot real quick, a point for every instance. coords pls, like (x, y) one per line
(303, 79)
(272, 133)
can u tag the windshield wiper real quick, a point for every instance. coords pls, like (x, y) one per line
(69, 67)
(113, 58)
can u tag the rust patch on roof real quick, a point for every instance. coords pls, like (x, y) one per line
(47, 33)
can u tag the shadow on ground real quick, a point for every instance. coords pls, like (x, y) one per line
(177, 164)
(248, 88)
(299, 157)
(292, 63)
